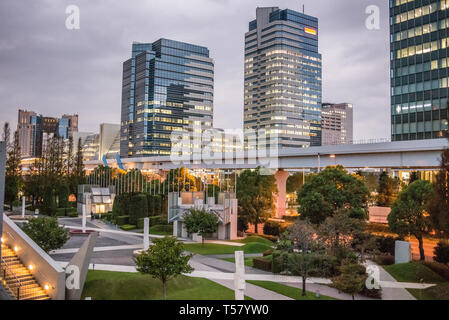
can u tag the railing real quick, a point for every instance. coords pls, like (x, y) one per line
(7, 276)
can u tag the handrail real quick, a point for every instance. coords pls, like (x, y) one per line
(14, 275)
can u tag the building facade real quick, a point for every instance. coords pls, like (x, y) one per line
(167, 87)
(419, 36)
(34, 130)
(99, 146)
(337, 123)
(283, 78)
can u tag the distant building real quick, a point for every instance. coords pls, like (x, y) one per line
(283, 78)
(95, 146)
(34, 130)
(167, 87)
(337, 123)
(225, 208)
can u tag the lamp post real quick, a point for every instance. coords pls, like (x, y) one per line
(2, 184)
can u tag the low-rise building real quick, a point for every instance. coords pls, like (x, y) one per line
(96, 199)
(225, 208)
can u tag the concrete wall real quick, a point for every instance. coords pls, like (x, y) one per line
(46, 270)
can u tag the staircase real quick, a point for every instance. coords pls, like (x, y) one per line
(17, 279)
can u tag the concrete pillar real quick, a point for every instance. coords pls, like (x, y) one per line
(239, 276)
(84, 219)
(281, 177)
(23, 207)
(146, 233)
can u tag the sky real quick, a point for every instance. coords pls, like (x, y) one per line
(52, 70)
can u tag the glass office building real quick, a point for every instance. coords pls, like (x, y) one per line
(167, 86)
(419, 36)
(283, 78)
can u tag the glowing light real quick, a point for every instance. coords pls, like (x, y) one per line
(3, 240)
(16, 248)
(310, 31)
(47, 287)
(332, 156)
(30, 267)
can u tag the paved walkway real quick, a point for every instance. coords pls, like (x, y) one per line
(391, 293)
(232, 255)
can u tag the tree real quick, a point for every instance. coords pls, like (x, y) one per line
(339, 231)
(439, 204)
(351, 280)
(302, 238)
(331, 191)
(63, 196)
(47, 233)
(414, 175)
(13, 174)
(408, 215)
(201, 222)
(255, 196)
(164, 260)
(388, 190)
(295, 181)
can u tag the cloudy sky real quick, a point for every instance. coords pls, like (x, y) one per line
(49, 69)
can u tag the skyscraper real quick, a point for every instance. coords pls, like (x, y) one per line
(336, 123)
(33, 131)
(167, 86)
(419, 36)
(283, 77)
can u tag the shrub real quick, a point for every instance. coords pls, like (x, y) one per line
(62, 212)
(140, 223)
(262, 264)
(127, 227)
(371, 293)
(121, 205)
(386, 244)
(47, 233)
(122, 220)
(439, 268)
(16, 203)
(265, 236)
(72, 214)
(441, 252)
(385, 259)
(158, 220)
(290, 218)
(273, 228)
(267, 252)
(163, 228)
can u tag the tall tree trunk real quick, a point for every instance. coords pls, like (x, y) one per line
(164, 285)
(256, 230)
(304, 275)
(422, 256)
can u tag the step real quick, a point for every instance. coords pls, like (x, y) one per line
(41, 297)
(33, 296)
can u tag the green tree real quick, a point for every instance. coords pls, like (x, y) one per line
(13, 173)
(388, 190)
(201, 222)
(295, 182)
(63, 196)
(164, 260)
(302, 238)
(351, 279)
(48, 203)
(331, 191)
(414, 175)
(47, 233)
(255, 196)
(408, 214)
(439, 204)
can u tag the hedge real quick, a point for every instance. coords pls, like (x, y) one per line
(138, 208)
(385, 259)
(439, 268)
(127, 227)
(62, 212)
(158, 220)
(273, 228)
(122, 220)
(262, 264)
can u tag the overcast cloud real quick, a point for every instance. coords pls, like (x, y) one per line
(46, 68)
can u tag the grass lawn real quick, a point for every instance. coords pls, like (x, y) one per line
(162, 230)
(214, 248)
(294, 293)
(417, 272)
(255, 239)
(248, 261)
(108, 285)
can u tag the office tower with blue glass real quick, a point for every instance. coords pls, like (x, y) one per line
(419, 36)
(283, 78)
(167, 86)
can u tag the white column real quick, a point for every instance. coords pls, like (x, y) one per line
(84, 218)
(146, 233)
(23, 207)
(239, 276)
